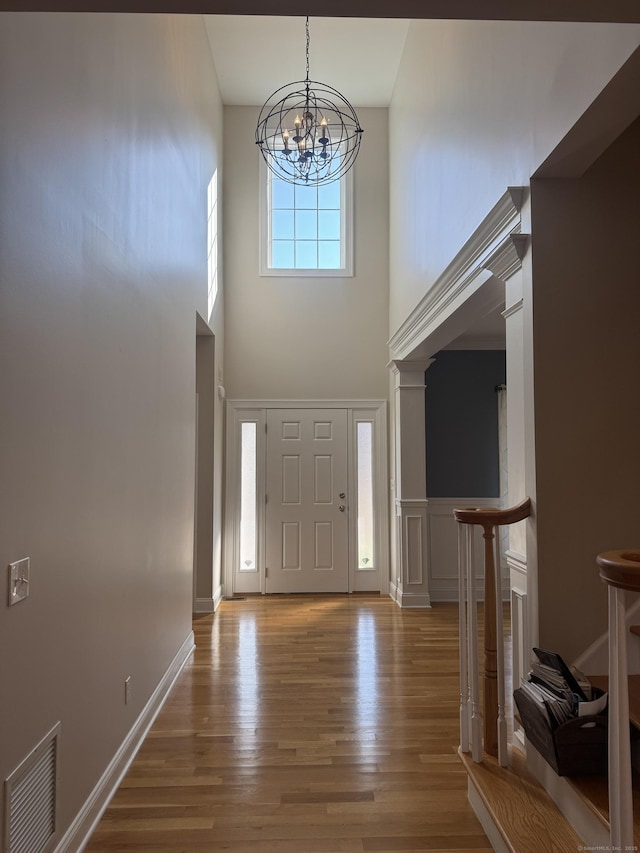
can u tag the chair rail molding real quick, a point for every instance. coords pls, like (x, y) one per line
(442, 549)
(516, 561)
(513, 309)
(489, 245)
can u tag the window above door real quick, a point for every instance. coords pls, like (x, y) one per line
(305, 231)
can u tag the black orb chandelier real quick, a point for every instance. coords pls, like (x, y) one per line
(308, 132)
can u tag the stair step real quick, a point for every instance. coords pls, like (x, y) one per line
(524, 814)
(594, 791)
(602, 682)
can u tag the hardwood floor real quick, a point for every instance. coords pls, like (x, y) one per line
(305, 724)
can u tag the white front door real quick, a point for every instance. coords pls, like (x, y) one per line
(307, 529)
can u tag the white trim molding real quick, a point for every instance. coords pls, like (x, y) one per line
(305, 404)
(208, 605)
(372, 411)
(516, 561)
(204, 605)
(411, 578)
(413, 590)
(513, 309)
(486, 819)
(507, 258)
(491, 244)
(76, 837)
(346, 268)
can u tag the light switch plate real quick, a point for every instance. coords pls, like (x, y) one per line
(19, 580)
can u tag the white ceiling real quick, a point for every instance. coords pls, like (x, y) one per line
(254, 55)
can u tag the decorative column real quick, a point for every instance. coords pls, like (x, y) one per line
(410, 587)
(506, 264)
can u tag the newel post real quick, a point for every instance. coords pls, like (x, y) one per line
(494, 722)
(490, 648)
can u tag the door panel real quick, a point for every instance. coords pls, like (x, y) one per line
(306, 520)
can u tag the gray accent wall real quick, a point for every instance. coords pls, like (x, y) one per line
(462, 423)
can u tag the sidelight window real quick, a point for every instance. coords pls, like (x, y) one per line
(248, 497)
(365, 475)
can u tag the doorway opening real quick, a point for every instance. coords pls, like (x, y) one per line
(204, 470)
(307, 508)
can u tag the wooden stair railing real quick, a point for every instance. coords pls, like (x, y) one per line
(492, 720)
(620, 570)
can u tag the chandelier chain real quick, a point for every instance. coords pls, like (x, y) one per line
(308, 42)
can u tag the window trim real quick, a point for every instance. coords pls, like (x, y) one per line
(346, 231)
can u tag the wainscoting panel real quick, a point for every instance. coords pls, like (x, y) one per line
(442, 534)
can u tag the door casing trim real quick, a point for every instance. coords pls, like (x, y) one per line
(255, 411)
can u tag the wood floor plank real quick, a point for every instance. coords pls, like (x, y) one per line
(304, 724)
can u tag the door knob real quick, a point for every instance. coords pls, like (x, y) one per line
(341, 507)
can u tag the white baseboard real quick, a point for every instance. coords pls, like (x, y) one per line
(408, 599)
(208, 605)
(78, 834)
(415, 599)
(486, 821)
(581, 817)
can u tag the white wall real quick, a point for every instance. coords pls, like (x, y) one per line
(303, 337)
(586, 303)
(111, 129)
(476, 108)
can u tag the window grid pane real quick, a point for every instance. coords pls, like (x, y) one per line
(329, 196)
(282, 227)
(329, 224)
(364, 442)
(305, 226)
(306, 197)
(282, 256)
(306, 255)
(281, 194)
(248, 498)
(329, 254)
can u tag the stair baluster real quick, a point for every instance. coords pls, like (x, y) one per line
(502, 720)
(472, 642)
(464, 649)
